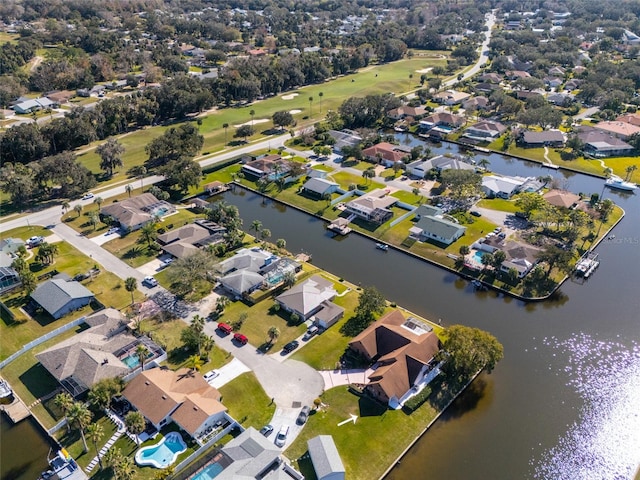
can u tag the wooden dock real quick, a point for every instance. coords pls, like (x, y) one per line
(16, 410)
(340, 226)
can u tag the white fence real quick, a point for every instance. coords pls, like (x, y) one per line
(40, 340)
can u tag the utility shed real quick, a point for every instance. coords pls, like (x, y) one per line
(325, 458)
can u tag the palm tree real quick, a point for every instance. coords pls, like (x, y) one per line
(165, 473)
(630, 169)
(464, 250)
(484, 163)
(95, 432)
(281, 243)
(94, 219)
(289, 279)
(139, 171)
(65, 207)
(195, 362)
(130, 284)
(197, 325)
(310, 103)
(80, 414)
(225, 126)
(98, 201)
(320, 94)
(64, 401)
(207, 345)
(252, 113)
(142, 352)
(273, 333)
(148, 233)
(129, 188)
(368, 174)
(264, 234)
(136, 424)
(124, 469)
(78, 209)
(256, 225)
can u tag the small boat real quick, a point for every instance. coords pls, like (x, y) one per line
(587, 264)
(6, 394)
(620, 184)
(382, 246)
(478, 285)
(62, 465)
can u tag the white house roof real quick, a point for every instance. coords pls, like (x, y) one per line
(242, 280)
(439, 226)
(307, 296)
(250, 259)
(319, 185)
(501, 184)
(324, 456)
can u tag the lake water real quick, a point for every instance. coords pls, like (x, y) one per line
(565, 401)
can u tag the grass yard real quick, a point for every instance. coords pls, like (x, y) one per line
(499, 204)
(72, 441)
(365, 448)
(345, 179)
(247, 401)
(25, 232)
(408, 197)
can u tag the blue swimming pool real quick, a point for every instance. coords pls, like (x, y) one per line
(132, 361)
(162, 454)
(477, 256)
(209, 472)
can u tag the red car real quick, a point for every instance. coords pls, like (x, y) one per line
(224, 328)
(241, 339)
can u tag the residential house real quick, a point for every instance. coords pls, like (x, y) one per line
(320, 187)
(553, 82)
(10, 246)
(516, 74)
(406, 111)
(420, 168)
(631, 118)
(432, 226)
(187, 239)
(548, 138)
(450, 97)
(494, 186)
(485, 130)
(184, 397)
(630, 38)
(600, 144)
(404, 350)
(442, 122)
(8, 276)
(573, 84)
(622, 130)
(373, 206)
(479, 102)
(133, 213)
(556, 71)
(485, 87)
(60, 296)
(116, 85)
(560, 99)
(251, 456)
(308, 298)
(344, 138)
(241, 282)
(325, 458)
(241, 274)
(521, 257)
(270, 167)
(561, 198)
(491, 77)
(525, 95)
(33, 105)
(105, 350)
(60, 97)
(386, 153)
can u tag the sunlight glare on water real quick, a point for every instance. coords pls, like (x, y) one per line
(605, 443)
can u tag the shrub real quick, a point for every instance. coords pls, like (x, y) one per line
(417, 400)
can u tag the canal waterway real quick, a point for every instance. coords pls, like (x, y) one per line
(565, 401)
(24, 451)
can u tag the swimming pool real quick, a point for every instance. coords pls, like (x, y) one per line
(132, 361)
(209, 472)
(477, 256)
(162, 454)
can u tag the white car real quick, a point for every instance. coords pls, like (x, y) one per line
(88, 196)
(281, 438)
(150, 282)
(211, 375)
(35, 241)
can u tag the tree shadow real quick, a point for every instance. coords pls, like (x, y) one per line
(305, 466)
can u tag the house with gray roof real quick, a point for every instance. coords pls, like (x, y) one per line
(132, 213)
(325, 458)
(105, 350)
(494, 186)
(8, 278)
(602, 144)
(431, 227)
(252, 259)
(60, 296)
(485, 130)
(320, 186)
(242, 281)
(308, 298)
(186, 240)
(548, 138)
(344, 138)
(33, 105)
(10, 245)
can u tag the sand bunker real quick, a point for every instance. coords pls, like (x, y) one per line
(291, 96)
(424, 70)
(294, 112)
(254, 122)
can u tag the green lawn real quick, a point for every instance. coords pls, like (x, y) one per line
(499, 204)
(345, 179)
(72, 441)
(25, 232)
(367, 448)
(247, 401)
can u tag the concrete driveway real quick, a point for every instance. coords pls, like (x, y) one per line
(150, 268)
(104, 238)
(230, 371)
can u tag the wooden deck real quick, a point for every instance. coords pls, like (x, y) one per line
(16, 411)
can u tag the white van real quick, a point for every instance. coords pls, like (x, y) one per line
(311, 331)
(281, 438)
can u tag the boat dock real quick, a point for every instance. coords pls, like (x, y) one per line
(16, 410)
(340, 225)
(587, 264)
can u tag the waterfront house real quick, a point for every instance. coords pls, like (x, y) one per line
(309, 298)
(325, 458)
(406, 111)
(562, 199)
(251, 259)
(434, 227)
(601, 144)
(135, 212)
(372, 207)
(318, 187)
(622, 130)
(270, 167)
(494, 186)
(403, 348)
(344, 138)
(548, 138)
(184, 241)
(442, 122)
(240, 282)
(485, 130)
(60, 296)
(184, 397)
(386, 154)
(105, 350)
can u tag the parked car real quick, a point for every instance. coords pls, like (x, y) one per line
(475, 213)
(150, 282)
(35, 241)
(266, 430)
(290, 347)
(112, 230)
(224, 328)
(281, 438)
(240, 338)
(88, 196)
(311, 331)
(211, 375)
(303, 415)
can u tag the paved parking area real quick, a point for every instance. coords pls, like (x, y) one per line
(150, 268)
(227, 373)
